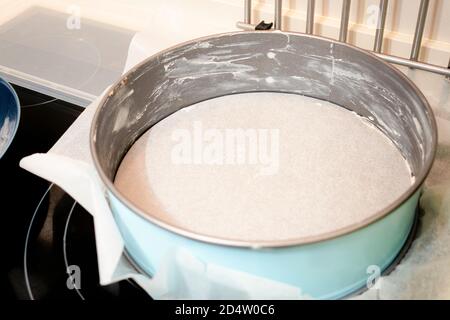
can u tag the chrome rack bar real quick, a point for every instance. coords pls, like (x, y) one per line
(418, 35)
(248, 11)
(344, 20)
(278, 14)
(380, 26)
(310, 17)
(245, 26)
(448, 76)
(414, 64)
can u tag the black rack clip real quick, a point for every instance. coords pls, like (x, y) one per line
(264, 26)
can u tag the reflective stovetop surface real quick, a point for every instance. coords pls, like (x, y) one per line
(46, 235)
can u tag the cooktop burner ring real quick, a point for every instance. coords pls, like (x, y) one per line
(72, 210)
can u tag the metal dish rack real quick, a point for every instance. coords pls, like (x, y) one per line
(412, 62)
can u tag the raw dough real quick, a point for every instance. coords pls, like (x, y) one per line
(318, 168)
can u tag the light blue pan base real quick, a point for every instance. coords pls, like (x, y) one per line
(329, 269)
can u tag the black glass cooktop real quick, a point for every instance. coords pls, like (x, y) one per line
(46, 234)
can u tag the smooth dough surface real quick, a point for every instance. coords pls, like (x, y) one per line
(331, 168)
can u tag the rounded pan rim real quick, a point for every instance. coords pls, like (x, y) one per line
(12, 134)
(257, 243)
